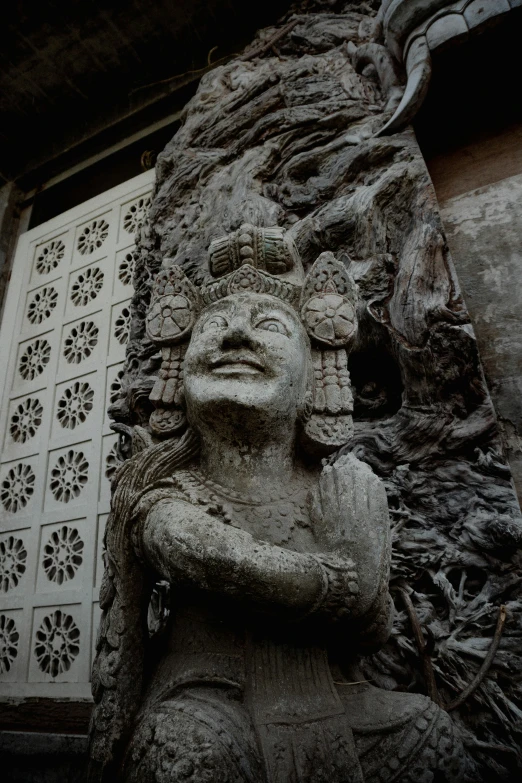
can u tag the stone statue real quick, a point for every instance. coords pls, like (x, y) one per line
(269, 566)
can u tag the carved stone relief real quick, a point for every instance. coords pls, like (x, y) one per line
(288, 135)
(264, 357)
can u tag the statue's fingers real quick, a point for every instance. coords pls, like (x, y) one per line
(330, 502)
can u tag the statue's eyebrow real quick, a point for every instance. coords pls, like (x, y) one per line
(268, 311)
(216, 308)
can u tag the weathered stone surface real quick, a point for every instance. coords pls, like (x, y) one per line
(484, 228)
(286, 137)
(287, 563)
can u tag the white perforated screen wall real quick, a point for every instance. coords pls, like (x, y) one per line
(63, 338)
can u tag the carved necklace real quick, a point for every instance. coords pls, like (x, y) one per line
(276, 520)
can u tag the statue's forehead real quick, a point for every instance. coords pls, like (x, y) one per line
(251, 303)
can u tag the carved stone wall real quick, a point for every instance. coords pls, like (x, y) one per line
(285, 135)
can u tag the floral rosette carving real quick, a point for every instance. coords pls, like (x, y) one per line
(246, 279)
(330, 319)
(328, 311)
(328, 303)
(175, 306)
(170, 318)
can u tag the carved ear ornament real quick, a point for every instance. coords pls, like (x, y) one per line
(175, 306)
(262, 261)
(328, 311)
(328, 303)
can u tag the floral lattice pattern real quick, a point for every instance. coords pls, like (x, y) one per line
(115, 388)
(9, 637)
(25, 420)
(63, 554)
(93, 236)
(42, 305)
(122, 326)
(17, 487)
(34, 359)
(13, 556)
(136, 214)
(50, 256)
(75, 404)
(69, 476)
(87, 286)
(57, 643)
(80, 342)
(126, 267)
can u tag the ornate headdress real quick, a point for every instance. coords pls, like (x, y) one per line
(265, 261)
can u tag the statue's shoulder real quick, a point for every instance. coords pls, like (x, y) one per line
(174, 488)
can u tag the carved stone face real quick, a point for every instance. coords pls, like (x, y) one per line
(248, 353)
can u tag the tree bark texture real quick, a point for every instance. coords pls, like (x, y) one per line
(286, 135)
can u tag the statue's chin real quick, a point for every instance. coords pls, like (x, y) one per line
(241, 399)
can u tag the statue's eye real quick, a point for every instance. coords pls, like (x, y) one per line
(214, 322)
(272, 325)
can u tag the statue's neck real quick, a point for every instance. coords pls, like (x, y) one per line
(250, 467)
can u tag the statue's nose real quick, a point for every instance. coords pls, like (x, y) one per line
(237, 334)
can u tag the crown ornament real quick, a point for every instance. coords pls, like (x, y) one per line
(263, 261)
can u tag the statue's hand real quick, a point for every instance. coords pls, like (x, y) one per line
(351, 519)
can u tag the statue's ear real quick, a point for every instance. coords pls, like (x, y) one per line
(174, 308)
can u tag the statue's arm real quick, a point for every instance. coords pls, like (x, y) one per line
(186, 545)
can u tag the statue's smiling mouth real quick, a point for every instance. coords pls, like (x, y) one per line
(235, 362)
